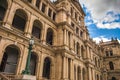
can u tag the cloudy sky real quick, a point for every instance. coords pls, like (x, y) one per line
(102, 18)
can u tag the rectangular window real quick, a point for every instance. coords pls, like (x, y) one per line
(43, 7)
(72, 24)
(54, 16)
(38, 3)
(49, 12)
(76, 16)
(77, 30)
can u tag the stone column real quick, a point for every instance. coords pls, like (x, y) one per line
(1, 50)
(67, 42)
(88, 53)
(64, 36)
(34, 2)
(64, 68)
(28, 26)
(72, 70)
(10, 16)
(38, 66)
(44, 33)
(89, 73)
(24, 56)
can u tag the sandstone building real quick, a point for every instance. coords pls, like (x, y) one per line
(62, 48)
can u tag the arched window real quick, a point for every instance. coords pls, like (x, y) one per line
(77, 48)
(111, 65)
(79, 73)
(19, 20)
(10, 60)
(49, 37)
(36, 31)
(46, 68)
(33, 62)
(113, 78)
(3, 8)
(84, 74)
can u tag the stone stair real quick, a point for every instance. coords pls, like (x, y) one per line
(5, 76)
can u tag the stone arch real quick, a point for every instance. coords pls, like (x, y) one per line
(20, 19)
(47, 67)
(50, 36)
(3, 8)
(37, 29)
(10, 59)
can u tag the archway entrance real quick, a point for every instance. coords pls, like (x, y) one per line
(9, 60)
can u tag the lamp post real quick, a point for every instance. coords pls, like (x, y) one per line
(27, 68)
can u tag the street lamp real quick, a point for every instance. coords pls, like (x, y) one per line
(27, 68)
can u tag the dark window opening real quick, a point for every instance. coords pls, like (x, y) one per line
(111, 53)
(36, 31)
(29, 1)
(54, 16)
(46, 68)
(49, 12)
(77, 46)
(81, 34)
(9, 60)
(107, 54)
(43, 7)
(33, 63)
(69, 68)
(49, 38)
(38, 3)
(77, 30)
(72, 25)
(74, 72)
(19, 20)
(84, 74)
(113, 78)
(76, 16)
(3, 8)
(111, 65)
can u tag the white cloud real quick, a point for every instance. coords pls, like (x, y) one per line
(99, 10)
(112, 25)
(101, 38)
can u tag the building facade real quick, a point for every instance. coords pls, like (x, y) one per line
(62, 48)
(111, 59)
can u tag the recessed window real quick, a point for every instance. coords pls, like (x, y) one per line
(38, 3)
(43, 7)
(77, 30)
(19, 20)
(3, 8)
(54, 16)
(49, 12)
